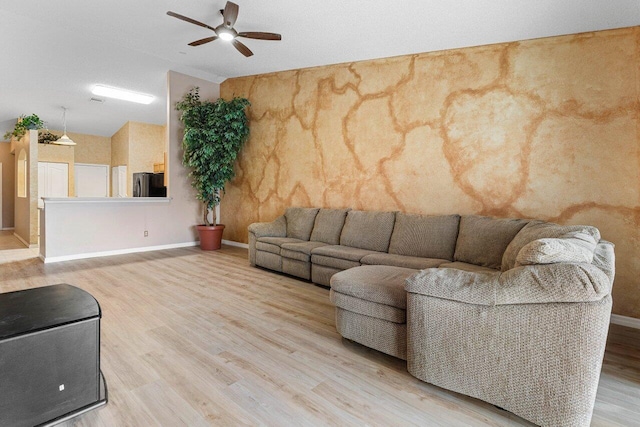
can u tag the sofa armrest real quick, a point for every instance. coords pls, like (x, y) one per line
(533, 284)
(275, 228)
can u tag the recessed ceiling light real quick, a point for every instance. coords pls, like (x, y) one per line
(126, 95)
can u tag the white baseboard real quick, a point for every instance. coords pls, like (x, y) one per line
(25, 242)
(238, 244)
(8, 228)
(50, 260)
(631, 322)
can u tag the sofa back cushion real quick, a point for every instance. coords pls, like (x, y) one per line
(483, 240)
(535, 230)
(300, 222)
(426, 236)
(369, 230)
(576, 246)
(328, 226)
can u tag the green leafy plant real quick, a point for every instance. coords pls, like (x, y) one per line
(46, 137)
(214, 132)
(23, 124)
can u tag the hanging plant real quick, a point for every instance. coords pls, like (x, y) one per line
(24, 124)
(214, 132)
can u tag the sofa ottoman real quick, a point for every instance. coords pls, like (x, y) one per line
(371, 306)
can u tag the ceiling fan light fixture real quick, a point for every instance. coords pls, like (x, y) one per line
(123, 94)
(225, 34)
(225, 31)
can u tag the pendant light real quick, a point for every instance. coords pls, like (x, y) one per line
(64, 139)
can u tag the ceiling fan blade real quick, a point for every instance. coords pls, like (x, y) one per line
(203, 41)
(191, 21)
(260, 36)
(230, 14)
(241, 48)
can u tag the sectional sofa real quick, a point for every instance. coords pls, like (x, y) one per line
(514, 312)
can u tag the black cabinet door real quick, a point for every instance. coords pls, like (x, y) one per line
(47, 374)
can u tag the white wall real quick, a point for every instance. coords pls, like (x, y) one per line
(76, 228)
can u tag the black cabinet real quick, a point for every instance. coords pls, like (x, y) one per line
(49, 355)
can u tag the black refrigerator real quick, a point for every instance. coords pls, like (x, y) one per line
(147, 184)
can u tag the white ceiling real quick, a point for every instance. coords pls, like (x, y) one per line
(54, 51)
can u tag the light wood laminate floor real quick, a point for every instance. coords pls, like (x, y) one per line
(12, 249)
(194, 338)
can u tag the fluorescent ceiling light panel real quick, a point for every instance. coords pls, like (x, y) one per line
(126, 95)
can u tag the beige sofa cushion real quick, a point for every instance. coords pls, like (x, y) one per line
(369, 230)
(300, 222)
(300, 251)
(540, 230)
(576, 246)
(273, 244)
(401, 261)
(303, 247)
(342, 252)
(334, 263)
(426, 236)
(532, 284)
(605, 259)
(482, 240)
(368, 308)
(472, 268)
(377, 283)
(268, 247)
(298, 256)
(328, 226)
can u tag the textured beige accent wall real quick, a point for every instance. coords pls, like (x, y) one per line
(544, 128)
(91, 149)
(60, 154)
(147, 144)
(120, 151)
(8, 184)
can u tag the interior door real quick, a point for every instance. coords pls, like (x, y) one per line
(58, 180)
(53, 180)
(122, 181)
(91, 180)
(119, 181)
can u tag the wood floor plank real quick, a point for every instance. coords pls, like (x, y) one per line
(201, 338)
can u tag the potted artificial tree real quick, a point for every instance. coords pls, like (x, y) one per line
(214, 132)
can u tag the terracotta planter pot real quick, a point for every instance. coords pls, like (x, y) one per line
(210, 236)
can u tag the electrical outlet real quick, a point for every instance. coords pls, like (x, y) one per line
(146, 233)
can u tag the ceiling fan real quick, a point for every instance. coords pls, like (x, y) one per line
(225, 31)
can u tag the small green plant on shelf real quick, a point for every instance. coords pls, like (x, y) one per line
(24, 124)
(46, 137)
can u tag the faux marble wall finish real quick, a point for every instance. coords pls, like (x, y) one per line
(545, 129)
